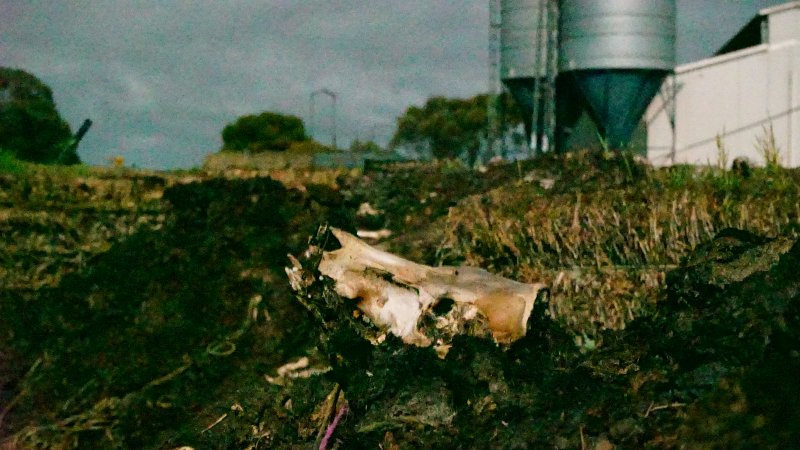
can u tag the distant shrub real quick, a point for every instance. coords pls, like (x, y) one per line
(10, 164)
(30, 126)
(365, 147)
(267, 131)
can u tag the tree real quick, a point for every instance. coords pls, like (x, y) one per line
(267, 131)
(30, 126)
(447, 127)
(358, 146)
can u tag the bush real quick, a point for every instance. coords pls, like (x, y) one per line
(30, 126)
(267, 131)
(450, 127)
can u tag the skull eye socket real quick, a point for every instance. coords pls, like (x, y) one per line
(443, 306)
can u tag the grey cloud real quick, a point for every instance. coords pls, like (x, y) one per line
(161, 78)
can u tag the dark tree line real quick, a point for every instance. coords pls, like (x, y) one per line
(30, 126)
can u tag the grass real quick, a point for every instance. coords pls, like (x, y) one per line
(10, 164)
(292, 168)
(605, 248)
(768, 148)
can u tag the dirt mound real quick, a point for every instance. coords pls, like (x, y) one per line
(721, 350)
(731, 329)
(410, 197)
(166, 331)
(172, 331)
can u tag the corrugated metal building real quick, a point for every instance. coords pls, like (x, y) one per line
(747, 92)
(351, 160)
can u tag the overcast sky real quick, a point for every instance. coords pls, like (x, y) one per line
(160, 79)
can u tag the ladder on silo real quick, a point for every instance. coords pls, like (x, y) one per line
(552, 73)
(543, 117)
(494, 137)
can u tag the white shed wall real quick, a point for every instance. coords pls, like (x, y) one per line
(737, 96)
(783, 22)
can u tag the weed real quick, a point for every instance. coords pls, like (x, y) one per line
(628, 161)
(679, 176)
(768, 149)
(722, 152)
(10, 164)
(604, 145)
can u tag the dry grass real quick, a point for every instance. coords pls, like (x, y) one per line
(605, 251)
(53, 221)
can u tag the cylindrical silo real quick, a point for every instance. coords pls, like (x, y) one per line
(524, 53)
(519, 37)
(618, 53)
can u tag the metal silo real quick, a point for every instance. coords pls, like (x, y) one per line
(528, 60)
(618, 53)
(519, 37)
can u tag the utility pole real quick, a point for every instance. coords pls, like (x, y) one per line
(332, 95)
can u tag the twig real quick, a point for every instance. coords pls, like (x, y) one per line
(22, 392)
(216, 422)
(187, 363)
(334, 395)
(653, 408)
(11, 404)
(583, 438)
(329, 432)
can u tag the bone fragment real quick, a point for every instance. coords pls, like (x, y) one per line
(397, 294)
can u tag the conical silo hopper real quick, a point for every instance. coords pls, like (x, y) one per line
(618, 53)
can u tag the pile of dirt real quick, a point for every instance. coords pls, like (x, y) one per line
(608, 229)
(717, 365)
(731, 329)
(52, 223)
(170, 329)
(413, 199)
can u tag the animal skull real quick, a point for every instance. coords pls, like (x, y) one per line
(397, 294)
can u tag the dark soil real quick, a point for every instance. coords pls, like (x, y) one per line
(162, 334)
(164, 338)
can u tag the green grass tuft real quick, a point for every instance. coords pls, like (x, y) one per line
(10, 164)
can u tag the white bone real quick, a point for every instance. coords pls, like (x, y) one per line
(396, 294)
